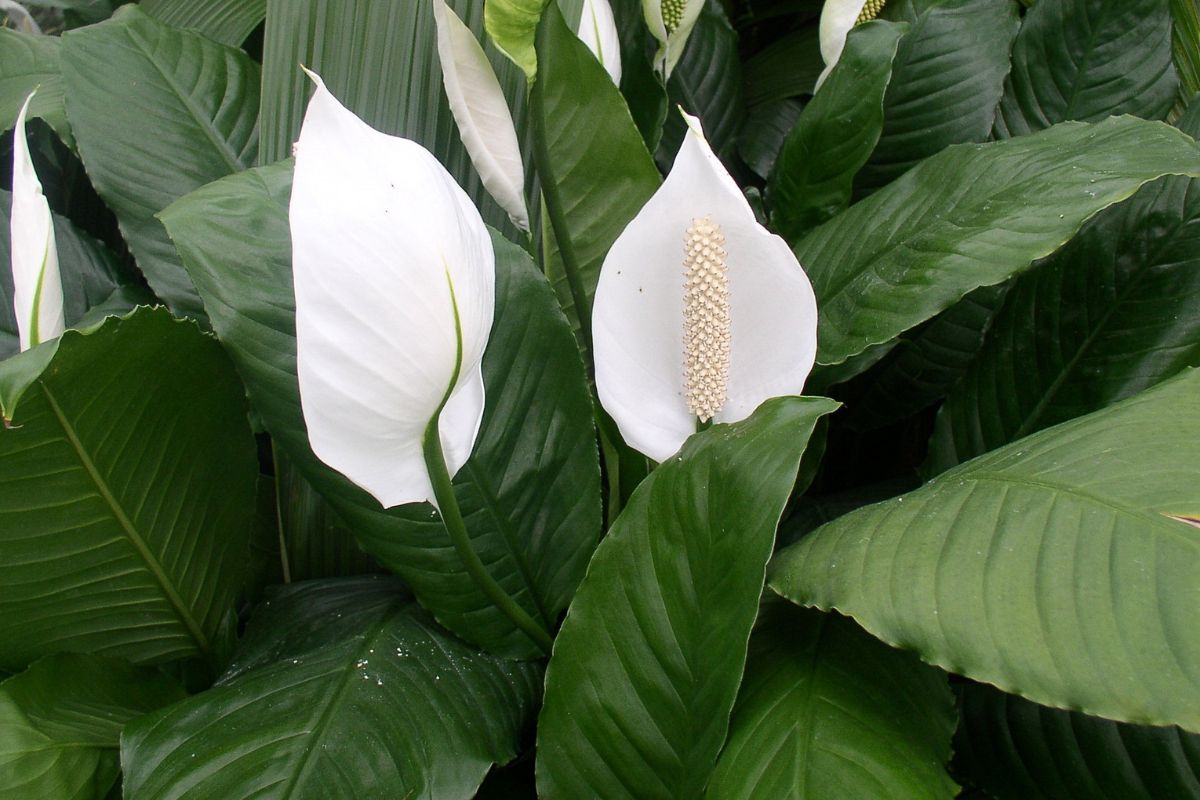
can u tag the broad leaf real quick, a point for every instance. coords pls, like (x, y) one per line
(786, 68)
(947, 79)
(60, 723)
(341, 688)
(127, 479)
(225, 21)
(648, 661)
(973, 216)
(530, 493)
(1185, 49)
(27, 62)
(595, 171)
(827, 711)
(1055, 567)
(762, 136)
(512, 25)
(813, 177)
(157, 113)
(90, 277)
(1018, 750)
(1086, 60)
(1114, 312)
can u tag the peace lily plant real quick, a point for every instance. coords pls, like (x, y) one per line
(349, 482)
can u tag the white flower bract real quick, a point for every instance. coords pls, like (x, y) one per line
(671, 22)
(667, 355)
(598, 30)
(395, 292)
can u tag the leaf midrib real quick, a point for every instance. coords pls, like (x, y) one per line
(135, 538)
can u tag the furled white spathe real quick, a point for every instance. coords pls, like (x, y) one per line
(481, 113)
(598, 30)
(395, 290)
(641, 309)
(37, 286)
(671, 22)
(837, 18)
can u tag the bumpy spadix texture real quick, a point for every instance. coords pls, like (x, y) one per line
(37, 286)
(395, 291)
(671, 22)
(684, 328)
(481, 113)
(837, 18)
(598, 30)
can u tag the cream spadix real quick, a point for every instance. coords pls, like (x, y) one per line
(700, 312)
(37, 285)
(481, 113)
(837, 18)
(395, 289)
(671, 22)
(598, 30)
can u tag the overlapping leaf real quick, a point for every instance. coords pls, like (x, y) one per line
(27, 62)
(225, 21)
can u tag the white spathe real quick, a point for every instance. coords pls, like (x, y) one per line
(638, 315)
(481, 113)
(837, 18)
(393, 267)
(670, 22)
(37, 285)
(598, 30)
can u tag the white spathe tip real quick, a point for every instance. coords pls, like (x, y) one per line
(481, 113)
(395, 290)
(598, 30)
(694, 256)
(837, 18)
(37, 285)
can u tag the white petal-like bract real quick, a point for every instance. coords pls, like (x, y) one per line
(481, 113)
(37, 286)
(395, 291)
(598, 30)
(837, 18)
(639, 312)
(671, 22)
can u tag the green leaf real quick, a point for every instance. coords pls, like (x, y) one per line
(225, 21)
(127, 479)
(648, 661)
(27, 62)
(813, 177)
(90, 277)
(1185, 49)
(762, 136)
(1019, 750)
(1049, 568)
(530, 493)
(61, 720)
(379, 57)
(827, 711)
(595, 171)
(947, 78)
(788, 67)
(512, 25)
(1114, 312)
(1086, 60)
(972, 216)
(341, 688)
(158, 112)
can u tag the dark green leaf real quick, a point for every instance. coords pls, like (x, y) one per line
(1019, 750)
(1185, 49)
(813, 177)
(827, 711)
(973, 216)
(341, 689)
(157, 113)
(27, 62)
(1052, 567)
(530, 493)
(60, 722)
(225, 21)
(127, 479)
(1086, 60)
(786, 68)
(647, 664)
(947, 79)
(764, 132)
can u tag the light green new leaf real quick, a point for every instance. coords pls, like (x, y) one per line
(973, 216)
(61, 720)
(530, 493)
(127, 480)
(837, 131)
(1086, 60)
(225, 21)
(27, 62)
(512, 24)
(827, 711)
(648, 661)
(1051, 568)
(341, 689)
(158, 112)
